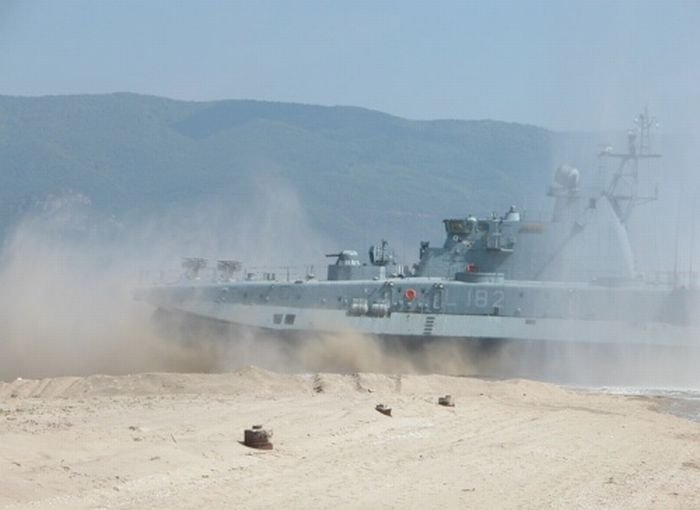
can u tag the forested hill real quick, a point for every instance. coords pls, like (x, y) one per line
(356, 172)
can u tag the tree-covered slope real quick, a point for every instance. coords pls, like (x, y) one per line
(357, 173)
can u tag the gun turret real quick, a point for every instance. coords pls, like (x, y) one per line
(346, 258)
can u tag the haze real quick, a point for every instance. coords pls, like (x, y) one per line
(560, 65)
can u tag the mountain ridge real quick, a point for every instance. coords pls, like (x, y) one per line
(135, 154)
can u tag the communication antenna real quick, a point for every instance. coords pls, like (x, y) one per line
(692, 245)
(677, 237)
(623, 190)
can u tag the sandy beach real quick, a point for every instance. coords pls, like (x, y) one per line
(174, 441)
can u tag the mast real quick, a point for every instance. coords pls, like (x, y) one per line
(623, 190)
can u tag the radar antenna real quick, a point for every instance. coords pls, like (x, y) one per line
(623, 190)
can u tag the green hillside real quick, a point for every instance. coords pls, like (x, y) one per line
(358, 173)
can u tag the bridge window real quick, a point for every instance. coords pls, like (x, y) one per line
(289, 318)
(457, 227)
(277, 318)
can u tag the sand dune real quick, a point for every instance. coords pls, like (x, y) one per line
(172, 441)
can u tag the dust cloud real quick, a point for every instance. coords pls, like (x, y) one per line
(67, 307)
(661, 233)
(67, 279)
(340, 352)
(67, 304)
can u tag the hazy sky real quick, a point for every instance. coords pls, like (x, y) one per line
(559, 64)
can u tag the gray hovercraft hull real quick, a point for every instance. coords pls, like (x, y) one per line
(570, 278)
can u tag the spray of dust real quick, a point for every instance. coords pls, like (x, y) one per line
(67, 279)
(626, 364)
(347, 352)
(67, 305)
(661, 237)
(67, 308)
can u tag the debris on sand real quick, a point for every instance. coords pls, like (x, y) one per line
(383, 409)
(446, 401)
(257, 437)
